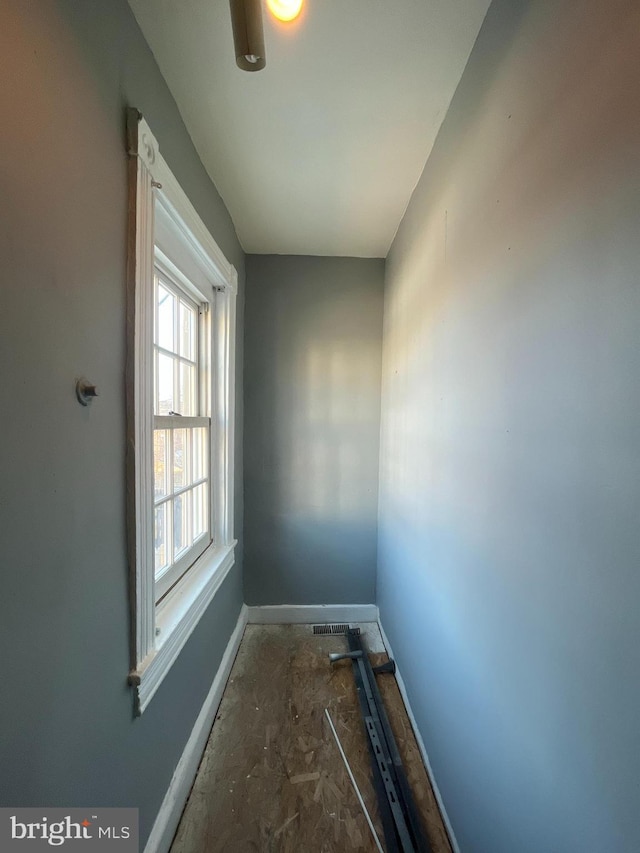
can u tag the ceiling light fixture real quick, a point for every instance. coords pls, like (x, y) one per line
(285, 10)
(248, 34)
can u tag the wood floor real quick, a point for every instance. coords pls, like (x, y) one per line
(272, 779)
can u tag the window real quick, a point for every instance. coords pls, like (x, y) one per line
(180, 404)
(181, 433)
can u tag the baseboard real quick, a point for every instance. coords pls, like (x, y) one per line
(170, 812)
(423, 751)
(305, 614)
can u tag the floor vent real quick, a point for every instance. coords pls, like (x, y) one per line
(332, 629)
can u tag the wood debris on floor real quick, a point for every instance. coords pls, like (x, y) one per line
(271, 778)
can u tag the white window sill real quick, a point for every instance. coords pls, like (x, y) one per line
(176, 617)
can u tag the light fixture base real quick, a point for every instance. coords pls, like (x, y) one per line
(248, 34)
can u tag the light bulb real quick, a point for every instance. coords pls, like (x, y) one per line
(285, 10)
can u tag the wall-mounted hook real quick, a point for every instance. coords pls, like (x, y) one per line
(85, 391)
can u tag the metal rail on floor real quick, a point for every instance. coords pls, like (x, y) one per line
(400, 819)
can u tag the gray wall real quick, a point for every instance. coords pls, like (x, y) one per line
(509, 545)
(67, 71)
(312, 397)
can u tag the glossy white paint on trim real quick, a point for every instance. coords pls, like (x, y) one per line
(160, 633)
(142, 150)
(177, 616)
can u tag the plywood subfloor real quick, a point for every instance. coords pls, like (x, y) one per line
(271, 778)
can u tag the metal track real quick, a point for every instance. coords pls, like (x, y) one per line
(401, 822)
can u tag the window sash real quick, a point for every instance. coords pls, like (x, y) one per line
(180, 422)
(169, 342)
(175, 566)
(194, 362)
(170, 576)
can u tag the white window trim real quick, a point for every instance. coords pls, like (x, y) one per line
(159, 633)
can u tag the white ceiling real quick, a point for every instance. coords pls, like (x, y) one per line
(318, 153)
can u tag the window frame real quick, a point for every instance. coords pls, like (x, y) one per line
(164, 225)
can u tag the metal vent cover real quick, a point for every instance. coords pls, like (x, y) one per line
(333, 629)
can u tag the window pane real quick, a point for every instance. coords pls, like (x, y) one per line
(161, 531)
(199, 456)
(181, 458)
(182, 539)
(187, 332)
(166, 319)
(187, 400)
(200, 510)
(165, 402)
(160, 462)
